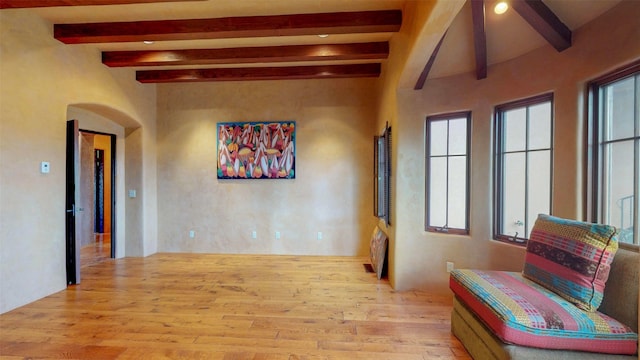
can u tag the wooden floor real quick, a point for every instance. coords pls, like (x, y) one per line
(187, 306)
(97, 251)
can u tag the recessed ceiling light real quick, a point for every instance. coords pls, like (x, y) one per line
(501, 7)
(147, 42)
(323, 35)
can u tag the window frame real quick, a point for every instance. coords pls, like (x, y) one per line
(445, 229)
(498, 167)
(382, 175)
(593, 195)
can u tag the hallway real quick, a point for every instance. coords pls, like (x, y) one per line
(97, 251)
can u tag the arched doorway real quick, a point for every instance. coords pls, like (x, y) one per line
(88, 123)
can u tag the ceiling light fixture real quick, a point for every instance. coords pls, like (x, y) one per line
(323, 35)
(147, 42)
(501, 7)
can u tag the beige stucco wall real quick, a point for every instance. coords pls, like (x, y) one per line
(419, 257)
(39, 79)
(423, 24)
(86, 202)
(332, 190)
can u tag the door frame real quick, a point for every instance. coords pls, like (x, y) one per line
(72, 240)
(112, 137)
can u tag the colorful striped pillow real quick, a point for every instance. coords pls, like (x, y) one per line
(571, 258)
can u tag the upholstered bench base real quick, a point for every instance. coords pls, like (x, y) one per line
(521, 312)
(482, 344)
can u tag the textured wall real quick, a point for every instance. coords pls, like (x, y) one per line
(332, 190)
(40, 79)
(86, 202)
(424, 23)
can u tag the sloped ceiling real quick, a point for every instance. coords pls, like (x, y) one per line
(508, 35)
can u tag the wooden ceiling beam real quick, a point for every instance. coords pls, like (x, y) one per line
(231, 27)
(545, 22)
(479, 38)
(21, 4)
(259, 73)
(267, 54)
(427, 67)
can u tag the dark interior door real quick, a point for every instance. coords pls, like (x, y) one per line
(71, 225)
(98, 224)
(113, 195)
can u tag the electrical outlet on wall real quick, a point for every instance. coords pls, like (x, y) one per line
(254, 234)
(192, 234)
(277, 235)
(449, 266)
(45, 167)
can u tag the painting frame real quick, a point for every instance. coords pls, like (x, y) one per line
(378, 251)
(256, 150)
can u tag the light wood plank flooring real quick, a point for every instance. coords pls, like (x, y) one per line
(97, 251)
(197, 306)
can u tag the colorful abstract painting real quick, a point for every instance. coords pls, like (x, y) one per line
(256, 150)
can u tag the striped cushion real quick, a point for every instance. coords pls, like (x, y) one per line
(571, 258)
(521, 312)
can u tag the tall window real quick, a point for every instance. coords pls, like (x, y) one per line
(523, 166)
(615, 152)
(447, 163)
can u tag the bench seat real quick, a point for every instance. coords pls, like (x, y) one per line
(521, 312)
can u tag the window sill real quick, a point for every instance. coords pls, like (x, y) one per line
(630, 247)
(446, 231)
(519, 242)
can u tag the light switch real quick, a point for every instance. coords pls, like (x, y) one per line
(132, 193)
(45, 167)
